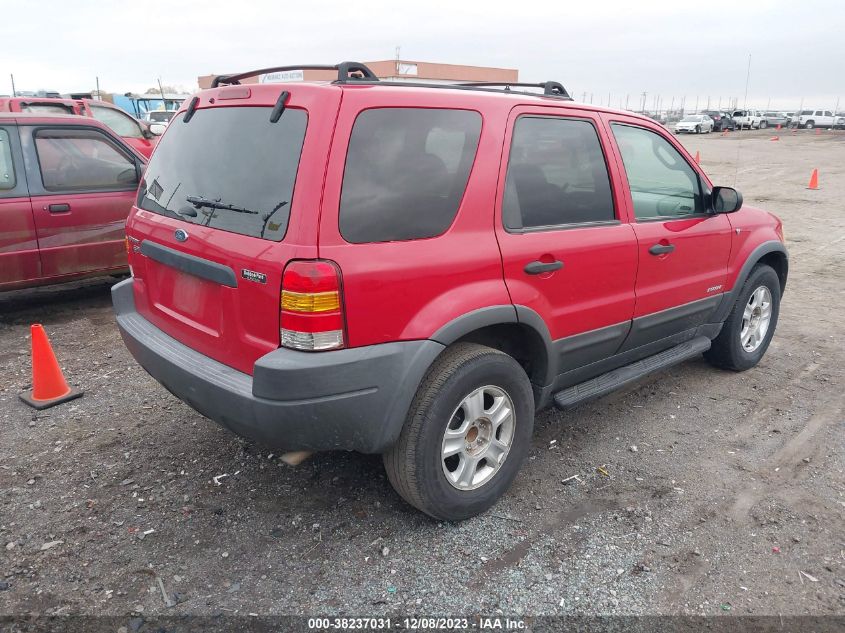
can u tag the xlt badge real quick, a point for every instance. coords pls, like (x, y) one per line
(251, 275)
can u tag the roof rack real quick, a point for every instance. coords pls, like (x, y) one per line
(346, 71)
(550, 88)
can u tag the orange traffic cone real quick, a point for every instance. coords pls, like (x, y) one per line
(775, 138)
(697, 158)
(814, 180)
(818, 131)
(778, 126)
(49, 386)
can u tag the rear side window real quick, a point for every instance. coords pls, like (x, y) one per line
(121, 123)
(7, 171)
(663, 185)
(406, 172)
(227, 168)
(80, 159)
(556, 175)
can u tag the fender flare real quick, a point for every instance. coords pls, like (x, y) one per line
(729, 298)
(498, 315)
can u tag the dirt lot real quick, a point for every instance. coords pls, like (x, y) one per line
(725, 492)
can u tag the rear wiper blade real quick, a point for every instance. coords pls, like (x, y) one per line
(199, 202)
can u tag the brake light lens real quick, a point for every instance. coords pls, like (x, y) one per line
(311, 316)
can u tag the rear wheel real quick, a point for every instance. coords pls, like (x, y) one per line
(749, 328)
(764, 125)
(466, 434)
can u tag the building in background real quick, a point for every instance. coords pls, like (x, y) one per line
(390, 70)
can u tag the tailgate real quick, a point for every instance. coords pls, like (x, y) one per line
(227, 200)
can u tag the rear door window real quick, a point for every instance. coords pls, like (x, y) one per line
(82, 160)
(556, 175)
(232, 158)
(7, 169)
(406, 172)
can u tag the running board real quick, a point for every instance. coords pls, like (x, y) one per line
(613, 380)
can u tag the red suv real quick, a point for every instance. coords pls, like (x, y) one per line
(415, 270)
(138, 134)
(66, 186)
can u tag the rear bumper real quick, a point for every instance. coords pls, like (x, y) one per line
(352, 399)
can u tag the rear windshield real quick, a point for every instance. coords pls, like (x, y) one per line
(47, 108)
(227, 168)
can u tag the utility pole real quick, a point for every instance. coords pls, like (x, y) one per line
(642, 108)
(97, 80)
(627, 96)
(696, 103)
(161, 90)
(14, 94)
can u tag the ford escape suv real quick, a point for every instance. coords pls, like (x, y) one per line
(415, 270)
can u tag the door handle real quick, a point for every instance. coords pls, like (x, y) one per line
(538, 267)
(59, 208)
(661, 249)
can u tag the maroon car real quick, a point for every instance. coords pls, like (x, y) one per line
(67, 184)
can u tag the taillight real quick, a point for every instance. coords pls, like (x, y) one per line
(311, 317)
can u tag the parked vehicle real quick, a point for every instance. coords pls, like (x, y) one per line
(839, 123)
(362, 265)
(66, 186)
(810, 119)
(696, 123)
(773, 119)
(747, 119)
(721, 120)
(139, 135)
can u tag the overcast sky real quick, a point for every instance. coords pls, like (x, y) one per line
(671, 49)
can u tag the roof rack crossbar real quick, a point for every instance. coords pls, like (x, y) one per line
(346, 71)
(550, 88)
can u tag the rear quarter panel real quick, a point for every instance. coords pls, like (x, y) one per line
(408, 290)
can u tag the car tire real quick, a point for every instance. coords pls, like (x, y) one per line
(763, 125)
(417, 466)
(730, 350)
(698, 129)
(809, 125)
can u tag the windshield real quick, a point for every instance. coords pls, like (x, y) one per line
(159, 116)
(806, 112)
(237, 168)
(691, 119)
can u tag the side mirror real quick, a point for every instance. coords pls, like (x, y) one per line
(725, 200)
(157, 129)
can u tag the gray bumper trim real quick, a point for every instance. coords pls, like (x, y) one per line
(352, 399)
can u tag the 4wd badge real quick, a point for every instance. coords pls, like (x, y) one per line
(251, 275)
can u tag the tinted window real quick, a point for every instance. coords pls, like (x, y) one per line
(7, 170)
(234, 156)
(662, 183)
(406, 172)
(120, 122)
(79, 159)
(556, 175)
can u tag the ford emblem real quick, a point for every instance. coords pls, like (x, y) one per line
(180, 235)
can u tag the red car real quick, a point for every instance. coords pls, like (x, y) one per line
(66, 186)
(137, 134)
(415, 269)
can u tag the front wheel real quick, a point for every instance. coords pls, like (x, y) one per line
(763, 125)
(698, 129)
(466, 433)
(750, 326)
(809, 125)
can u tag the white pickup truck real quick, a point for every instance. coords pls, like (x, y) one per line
(747, 119)
(814, 118)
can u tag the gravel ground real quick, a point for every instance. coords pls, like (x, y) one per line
(698, 492)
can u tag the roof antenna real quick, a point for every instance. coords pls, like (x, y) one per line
(745, 107)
